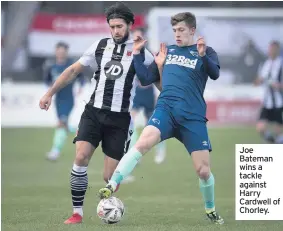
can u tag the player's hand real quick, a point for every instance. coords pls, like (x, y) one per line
(45, 102)
(139, 43)
(201, 46)
(258, 81)
(160, 57)
(276, 86)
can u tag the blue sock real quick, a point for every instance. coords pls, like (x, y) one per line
(207, 190)
(125, 167)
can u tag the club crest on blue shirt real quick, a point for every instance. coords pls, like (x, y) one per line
(194, 53)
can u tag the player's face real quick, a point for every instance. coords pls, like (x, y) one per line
(119, 30)
(183, 34)
(61, 54)
(273, 51)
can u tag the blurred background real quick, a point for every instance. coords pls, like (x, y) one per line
(240, 32)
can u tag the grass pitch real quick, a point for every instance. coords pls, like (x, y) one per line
(36, 194)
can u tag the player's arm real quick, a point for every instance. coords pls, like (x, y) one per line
(160, 59)
(146, 74)
(69, 75)
(279, 85)
(211, 63)
(209, 59)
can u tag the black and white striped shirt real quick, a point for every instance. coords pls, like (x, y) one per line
(272, 72)
(115, 75)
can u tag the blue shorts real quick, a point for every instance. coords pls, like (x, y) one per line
(63, 110)
(174, 123)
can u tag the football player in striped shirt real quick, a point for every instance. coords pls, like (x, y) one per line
(106, 118)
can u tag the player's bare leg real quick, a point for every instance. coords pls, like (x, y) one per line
(110, 165)
(79, 180)
(206, 182)
(150, 137)
(266, 134)
(59, 140)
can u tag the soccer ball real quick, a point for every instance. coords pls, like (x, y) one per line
(110, 210)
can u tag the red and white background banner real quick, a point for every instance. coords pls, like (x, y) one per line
(79, 31)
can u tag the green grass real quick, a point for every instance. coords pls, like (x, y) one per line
(36, 195)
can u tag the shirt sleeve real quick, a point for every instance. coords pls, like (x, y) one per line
(88, 58)
(146, 74)
(211, 63)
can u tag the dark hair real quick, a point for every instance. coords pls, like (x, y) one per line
(275, 43)
(62, 44)
(187, 17)
(120, 10)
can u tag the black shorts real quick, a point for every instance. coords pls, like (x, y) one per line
(272, 115)
(111, 128)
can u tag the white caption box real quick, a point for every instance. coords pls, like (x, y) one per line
(259, 181)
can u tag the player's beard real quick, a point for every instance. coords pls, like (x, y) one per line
(122, 40)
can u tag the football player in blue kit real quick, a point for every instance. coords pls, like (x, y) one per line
(145, 99)
(64, 100)
(181, 109)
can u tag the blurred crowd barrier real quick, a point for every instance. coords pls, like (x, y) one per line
(225, 106)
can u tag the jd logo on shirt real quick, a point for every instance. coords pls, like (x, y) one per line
(113, 70)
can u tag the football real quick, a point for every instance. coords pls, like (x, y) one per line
(110, 210)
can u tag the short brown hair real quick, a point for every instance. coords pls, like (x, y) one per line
(275, 43)
(187, 17)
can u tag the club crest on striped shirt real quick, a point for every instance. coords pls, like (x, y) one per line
(129, 53)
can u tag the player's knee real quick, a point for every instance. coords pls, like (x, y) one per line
(142, 146)
(260, 127)
(203, 172)
(82, 157)
(149, 138)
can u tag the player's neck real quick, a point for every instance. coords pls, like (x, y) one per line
(191, 42)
